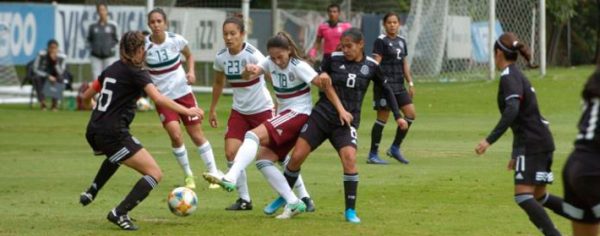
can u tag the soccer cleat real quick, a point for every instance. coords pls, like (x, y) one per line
(274, 206)
(218, 179)
(189, 182)
(123, 221)
(240, 205)
(351, 216)
(86, 198)
(310, 205)
(213, 186)
(375, 159)
(394, 152)
(291, 210)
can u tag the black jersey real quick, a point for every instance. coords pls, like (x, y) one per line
(121, 85)
(350, 80)
(393, 53)
(589, 125)
(530, 131)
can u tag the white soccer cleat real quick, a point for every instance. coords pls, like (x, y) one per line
(291, 210)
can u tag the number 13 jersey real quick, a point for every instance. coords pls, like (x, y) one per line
(164, 64)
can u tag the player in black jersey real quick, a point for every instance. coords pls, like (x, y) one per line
(581, 174)
(350, 72)
(532, 143)
(390, 51)
(120, 85)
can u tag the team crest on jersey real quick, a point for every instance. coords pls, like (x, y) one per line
(244, 63)
(364, 70)
(174, 49)
(304, 127)
(401, 44)
(291, 77)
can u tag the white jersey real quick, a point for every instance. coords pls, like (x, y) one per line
(164, 64)
(291, 84)
(249, 96)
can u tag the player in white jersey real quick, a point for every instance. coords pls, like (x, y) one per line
(291, 79)
(252, 103)
(163, 59)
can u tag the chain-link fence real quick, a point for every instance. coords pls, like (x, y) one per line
(449, 39)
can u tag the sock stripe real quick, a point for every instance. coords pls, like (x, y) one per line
(572, 211)
(150, 181)
(290, 173)
(596, 210)
(351, 177)
(380, 122)
(252, 136)
(544, 199)
(204, 148)
(523, 197)
(263, 163)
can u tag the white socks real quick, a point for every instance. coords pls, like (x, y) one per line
(180, 154)
(245, 155)
(206, 153)
(277, 180)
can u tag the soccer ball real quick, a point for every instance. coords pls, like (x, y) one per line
(143, 104)
(182, 201)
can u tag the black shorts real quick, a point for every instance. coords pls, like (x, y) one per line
(317, 129)
(581, 182)
(534, 169)
(380, 102)
(117, 147)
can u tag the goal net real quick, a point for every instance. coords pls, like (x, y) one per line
(448, 39)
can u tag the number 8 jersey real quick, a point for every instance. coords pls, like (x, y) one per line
(164, 64)
(249, 96)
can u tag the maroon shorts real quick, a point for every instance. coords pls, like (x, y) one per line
(167, 115)
(284, 130)
(238, 123)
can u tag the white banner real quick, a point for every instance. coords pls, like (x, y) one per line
(459, 44)
(201, 27)
(72, 23)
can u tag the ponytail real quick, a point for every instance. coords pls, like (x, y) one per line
(130, 43)
(510, 45)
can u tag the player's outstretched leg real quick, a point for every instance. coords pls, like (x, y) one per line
(107, 169)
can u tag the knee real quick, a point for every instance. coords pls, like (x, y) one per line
(230, 155)
(156, 173)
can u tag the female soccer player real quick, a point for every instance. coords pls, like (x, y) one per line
(581, 174)
(350, 72)
(532, 145)
(163, 58)
(108, 129)
(252, 103)
(390, 50)
(291, 79)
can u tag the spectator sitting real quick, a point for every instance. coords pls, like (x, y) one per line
(49, 71)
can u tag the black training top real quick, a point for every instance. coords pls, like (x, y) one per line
(393, 52)
(588, 137)
(530, 130)
(350, 80)
(121, 85)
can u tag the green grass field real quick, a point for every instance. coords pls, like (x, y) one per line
(45, 163)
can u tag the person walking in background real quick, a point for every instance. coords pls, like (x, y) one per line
(163, 59)
(329, 33)
(252, 103)
(390, 51)
(49, 69)
(533, 145)
(102, 40)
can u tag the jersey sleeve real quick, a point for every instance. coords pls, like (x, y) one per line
(180, 42)
(218, 64)
(142, 78)
(378, 47)
(320, 31)
(510, 87)
(257, 57)
(264, 65)
(325, 65)
(305, 72)
(404, 48)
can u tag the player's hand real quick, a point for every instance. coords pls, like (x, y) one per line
(212, 119)
(402, 123)
(324, 80)
(52, 78)
(481, 147)
(195, 111)
(346, 118)
(411, 91)
(511, 164)
(191, 78)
